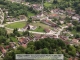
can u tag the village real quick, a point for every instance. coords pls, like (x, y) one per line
(52, 24)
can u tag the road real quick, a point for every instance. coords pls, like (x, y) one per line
(13, 22)
(50, 33)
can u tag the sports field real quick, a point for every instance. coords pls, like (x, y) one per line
(16, 25)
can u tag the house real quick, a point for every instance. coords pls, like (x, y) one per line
(37, 37)
(5, 11)
(69, 24)
(18, 1)
(37, 7)
(50, 36)
(3, 51)
(48, 22)
(11, 19)
(32, 27)
(51, 16)
(12, 45)
(76, 17)
(35, 18)
(23, 41)
(55, 10)
(70, 12)
(1, 16)
(27, 27)
(75, 42)
(7, 47)
(47, 30)
(63, 38)
(22, 17)
(78, 39)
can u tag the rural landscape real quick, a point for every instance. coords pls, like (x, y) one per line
(40, 27)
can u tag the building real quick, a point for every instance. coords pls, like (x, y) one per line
(47, 30)
(3, 51)
(18, 1)
(74, 42)
(1, 16)
(11, 19)
(22, 17)
(23, 41)
(76, 17)
(50, 23)
(70, 12)
(12, 45)
(37, 7)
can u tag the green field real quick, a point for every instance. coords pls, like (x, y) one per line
(16, 25)
(47, 4)
(41, 24)
(39, 29)
(30, 14)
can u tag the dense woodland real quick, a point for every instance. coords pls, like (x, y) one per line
(45, 46)
(15, 9)
(62, 4)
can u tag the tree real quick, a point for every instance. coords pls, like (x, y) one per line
(3, 39)
(22, 49)
(38, 52)
(26, 33)
(3, 31)
(29, 20)
(78, 28)
(75, 23)
(70, 28)
(38, 45)
(71, 50)
(55, 1)
(10, 56)
(16, 33)
(29, 51)
(77, 35)
(45, 51)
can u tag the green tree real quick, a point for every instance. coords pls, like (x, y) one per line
(72, 50)
(45, 51)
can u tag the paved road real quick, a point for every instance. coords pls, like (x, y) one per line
(13, 22)
(50, 33)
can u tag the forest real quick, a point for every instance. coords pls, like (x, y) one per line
(15, 9)
(45, 46)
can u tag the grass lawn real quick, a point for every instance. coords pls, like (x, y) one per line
(75, 32)
(14, 39)
(42, 25)
(30, 14)
(47, 4)
(16, 25)
(39, 29)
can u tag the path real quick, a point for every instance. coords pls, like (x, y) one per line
(51, 33)
(13, 22)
